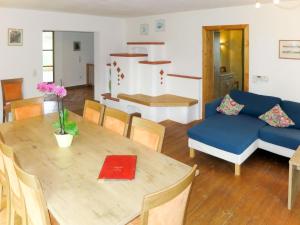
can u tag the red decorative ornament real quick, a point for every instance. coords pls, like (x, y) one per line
(161, 72)
(122, 76)
(118, 69)
(114, 63)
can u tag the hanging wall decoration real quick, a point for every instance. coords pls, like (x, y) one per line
(76, 46)
(15, 37)
(289, 49)
(160, 25)
(144, 29)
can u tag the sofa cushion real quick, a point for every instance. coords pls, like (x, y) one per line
(230, 133)
(292, 109)
(285, 137)
(229, 107)
(255, 104)
(276, 117)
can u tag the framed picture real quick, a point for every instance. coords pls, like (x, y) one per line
(144, 29)
(160, 25)
(289, 49)
(76, 46)
(15, 37)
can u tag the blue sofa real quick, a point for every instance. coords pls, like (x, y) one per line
(235, 138)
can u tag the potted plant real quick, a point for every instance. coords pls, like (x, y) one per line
(65, 129)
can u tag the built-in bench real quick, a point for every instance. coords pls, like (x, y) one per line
(166, 100)
(156, 108)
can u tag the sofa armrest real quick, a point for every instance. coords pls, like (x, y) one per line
(210, 108)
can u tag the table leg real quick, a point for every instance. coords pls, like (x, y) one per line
(293, 189)
(192, 153)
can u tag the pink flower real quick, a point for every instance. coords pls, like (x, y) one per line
(60, 91)
(51, 87)
(42, 87)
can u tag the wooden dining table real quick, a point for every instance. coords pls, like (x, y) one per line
(68, 176)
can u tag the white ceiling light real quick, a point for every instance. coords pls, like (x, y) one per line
(257, 5)
(292, 4)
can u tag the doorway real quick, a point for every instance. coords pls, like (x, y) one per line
(68, 59)
(225, 61)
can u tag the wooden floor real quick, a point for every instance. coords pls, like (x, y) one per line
(75, 98)
(257, 197)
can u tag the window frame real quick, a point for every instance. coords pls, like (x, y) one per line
(53, 53)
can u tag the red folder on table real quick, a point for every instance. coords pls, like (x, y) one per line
(118, 167)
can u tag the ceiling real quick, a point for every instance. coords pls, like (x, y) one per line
(122, 8)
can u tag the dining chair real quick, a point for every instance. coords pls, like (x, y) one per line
(93, 112)
(148, 133)
(12, 90)
(116, 120)
(27, 108)
(35, 205)
(168, 206)
(16, 202)
(3, 182)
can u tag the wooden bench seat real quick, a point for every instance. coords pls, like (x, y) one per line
(166, 100)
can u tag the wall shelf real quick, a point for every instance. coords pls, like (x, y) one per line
(155, 62)
(128, 55)
(145, 43)
(185, 76)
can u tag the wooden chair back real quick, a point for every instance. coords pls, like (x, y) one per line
(16, 199)
(148, 133)
(3, 181)
(2, 167)
(116, 120)
(12, 90)
(168, 207)
(93, 112)
(34, 201)
(27, 108)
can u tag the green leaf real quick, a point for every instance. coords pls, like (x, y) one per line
(66, 115)
(70, 127)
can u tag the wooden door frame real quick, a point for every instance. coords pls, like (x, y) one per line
(207, 58)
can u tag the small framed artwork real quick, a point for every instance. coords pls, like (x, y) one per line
(289, 49)
(160, 25)
(15, 37)
(144, 29)
(76, 46)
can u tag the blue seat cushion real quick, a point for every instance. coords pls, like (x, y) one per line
(285, 137)
(229, 133)
(292, 109)
(255, 105)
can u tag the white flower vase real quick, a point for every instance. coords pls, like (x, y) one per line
(63, 140)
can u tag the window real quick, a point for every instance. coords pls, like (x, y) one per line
(48, 56)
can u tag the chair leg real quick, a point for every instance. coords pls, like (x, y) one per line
(192, 153)
(237, 169)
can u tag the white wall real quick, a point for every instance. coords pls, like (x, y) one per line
(26, 61)
(70, 66)
(268, 25)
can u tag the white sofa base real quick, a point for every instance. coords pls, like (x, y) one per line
(239, 159)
